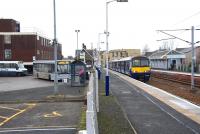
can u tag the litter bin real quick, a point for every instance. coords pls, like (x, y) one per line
(78, 73)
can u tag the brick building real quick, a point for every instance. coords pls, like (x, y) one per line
(23, 46)
(9, 25)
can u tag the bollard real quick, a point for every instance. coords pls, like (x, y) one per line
(107, 86)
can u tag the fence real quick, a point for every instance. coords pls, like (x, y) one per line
(92, 106)
(187, 68)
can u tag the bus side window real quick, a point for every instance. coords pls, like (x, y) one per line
(7, 65)
(1, 65)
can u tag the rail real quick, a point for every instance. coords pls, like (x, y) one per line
(179, 78)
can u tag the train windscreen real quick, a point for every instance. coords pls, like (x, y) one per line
(140, 63)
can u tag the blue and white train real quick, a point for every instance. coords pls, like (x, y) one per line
(136, 67)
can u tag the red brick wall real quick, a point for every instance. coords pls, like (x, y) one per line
(1, 48)
(24, 47)
(8, 25)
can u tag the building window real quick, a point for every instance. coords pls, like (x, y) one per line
(38, 52)
(8, 54)
(45, 42)
(41, 41)
(7, 39)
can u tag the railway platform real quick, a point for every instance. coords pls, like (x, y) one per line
(176, 72)
(150, 110)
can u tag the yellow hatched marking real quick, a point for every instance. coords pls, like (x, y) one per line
(10, 108)
(18, 113)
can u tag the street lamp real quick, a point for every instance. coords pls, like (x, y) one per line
(55, 51)
(98, 48)
(77, 31)
(107, 34)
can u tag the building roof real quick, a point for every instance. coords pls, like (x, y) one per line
(126, 58)
(165, 54)
(186, 50)
(23, 33)
(180, 49)
(147, 54)
(123, 50)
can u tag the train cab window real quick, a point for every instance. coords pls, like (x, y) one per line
(144, 63)
(136, 63)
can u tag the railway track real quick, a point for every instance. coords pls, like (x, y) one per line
(178, 78)
(181, 89)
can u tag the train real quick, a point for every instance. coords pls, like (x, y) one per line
(136, 67)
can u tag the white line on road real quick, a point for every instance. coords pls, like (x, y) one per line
(35, 129)
(10, 108)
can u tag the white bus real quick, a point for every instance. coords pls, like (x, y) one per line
(44, 69)
(12, 68)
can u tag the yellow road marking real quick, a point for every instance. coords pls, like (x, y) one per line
(18, 113)
(53, 114)
(3, 117)
(15, 109)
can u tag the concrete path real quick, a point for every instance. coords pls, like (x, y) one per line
(20, 83)
(147, 114)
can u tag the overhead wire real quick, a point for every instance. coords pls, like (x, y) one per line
(187, 18)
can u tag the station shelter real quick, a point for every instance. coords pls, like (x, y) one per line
(78, 73)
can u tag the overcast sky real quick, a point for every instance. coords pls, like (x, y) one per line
(131, 25)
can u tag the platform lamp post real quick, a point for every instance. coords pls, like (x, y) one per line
(77, 31)
(55, 51)
(107, 52)
(98, 48)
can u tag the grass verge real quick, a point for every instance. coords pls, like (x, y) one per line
(82, 124)
(111, 119)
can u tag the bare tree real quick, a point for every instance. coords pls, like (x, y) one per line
(167, 45)
(145, 49)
